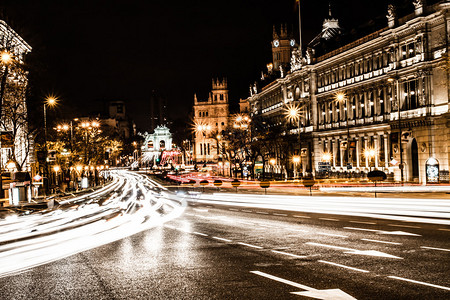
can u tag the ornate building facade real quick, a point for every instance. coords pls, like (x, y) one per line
(381, 101)
(211, 117)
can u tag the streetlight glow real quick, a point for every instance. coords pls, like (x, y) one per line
(6, 57)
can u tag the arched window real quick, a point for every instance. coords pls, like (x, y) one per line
(353, 108)
(371, 104)
(382, 97)
(162, 144)
(362, 109)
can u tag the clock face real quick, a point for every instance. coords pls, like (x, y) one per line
(276, 43)
(292, 43)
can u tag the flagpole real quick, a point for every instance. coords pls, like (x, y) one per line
(299, 29)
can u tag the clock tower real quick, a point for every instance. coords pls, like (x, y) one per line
(282, 45)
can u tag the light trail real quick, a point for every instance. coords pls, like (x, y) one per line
(130, 204)
(432, 211)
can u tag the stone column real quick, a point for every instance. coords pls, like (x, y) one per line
(386, 149)
(376, 142)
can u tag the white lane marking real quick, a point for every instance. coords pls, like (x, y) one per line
(288, 254)
(304, 217)
(444, 229)
(343, 266)
(329, 219)
(407, 226)
(355, 251)
(420, 282)
(384, 242)
(361, 222)
(250, 245)
(201, 209)
(291, 283)
(169, 226)
(233, 209)
(332, 234)
(310, 292)
(433, 248)
(277, 214)
(262, 212)
(362, 229)
(199, 233)
(221, 239)
(189, 214)
(247, 211)
(384, 232)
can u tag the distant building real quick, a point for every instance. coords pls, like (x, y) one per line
(118, 121)
(210, 118)
(154, 144)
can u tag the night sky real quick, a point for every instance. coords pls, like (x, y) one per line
(89, 52)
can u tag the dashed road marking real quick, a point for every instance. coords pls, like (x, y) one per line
(277, 214)
(262, 212)
(420, 282)
(329, 219)
(383, 242)
(201, 209)
(304, 217)
(199, 233)
(444, 229)
(250, 245)
(221, 239)
(361, 222)
(288, 254)
(433, 248)
(343, 266)
(407, 226)
(170, 226)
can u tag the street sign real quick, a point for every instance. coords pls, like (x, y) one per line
(376, 175)
(264, 184)
(309, 182)
(235, 183)
(6, 139)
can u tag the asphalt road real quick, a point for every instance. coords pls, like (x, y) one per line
(226, 252)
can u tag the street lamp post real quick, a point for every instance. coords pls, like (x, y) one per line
(50, 101)
(340, 97)
(294, 114)
(397, 96)
(6, 59)
(296, 160)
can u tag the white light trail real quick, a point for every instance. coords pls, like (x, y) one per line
(134, 203)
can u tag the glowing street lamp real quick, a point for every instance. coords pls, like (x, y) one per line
(326, 157)
(370, 153)
(6, 60)
(56, 168)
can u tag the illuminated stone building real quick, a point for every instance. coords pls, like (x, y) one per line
(210, 118)
(379, 101)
